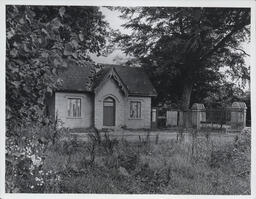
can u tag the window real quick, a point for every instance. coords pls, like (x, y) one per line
(74, 107)
(135, 109)
(109, 102)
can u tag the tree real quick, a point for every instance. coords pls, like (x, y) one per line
(41, 41)
(224, 96)
(185, 47)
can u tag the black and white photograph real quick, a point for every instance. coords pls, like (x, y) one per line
(119, 99)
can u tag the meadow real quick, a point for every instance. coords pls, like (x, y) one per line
(197, 165)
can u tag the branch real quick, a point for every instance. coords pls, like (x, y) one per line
(218, 45)
(223, 41)
(240, 50)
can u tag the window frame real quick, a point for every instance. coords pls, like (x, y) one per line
(69, 115)
(109, 102)
(140, 110)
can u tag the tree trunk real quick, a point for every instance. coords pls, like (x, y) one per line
(186, 94)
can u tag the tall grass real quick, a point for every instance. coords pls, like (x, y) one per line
(202, 165)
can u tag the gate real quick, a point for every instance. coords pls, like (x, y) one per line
(163, 117)
(216, 119)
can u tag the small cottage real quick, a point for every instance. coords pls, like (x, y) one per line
(114, 97)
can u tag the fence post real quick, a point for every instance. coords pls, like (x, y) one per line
(154, 118)
(238, 115)
(198, 114)
(180, 119)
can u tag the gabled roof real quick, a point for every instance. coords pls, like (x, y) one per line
(134, 78)
(99, 77)
(77, 77)
(83, 79)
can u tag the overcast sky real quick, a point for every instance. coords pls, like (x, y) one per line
(115, 22)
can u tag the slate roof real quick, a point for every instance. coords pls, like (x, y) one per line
(100, 76)
(76, 78)
(136, 81)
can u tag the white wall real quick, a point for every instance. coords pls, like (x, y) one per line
(61, 110)
(109, 89)
(145, 121)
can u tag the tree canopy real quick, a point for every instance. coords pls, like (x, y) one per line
(40, 42)
(183, 49)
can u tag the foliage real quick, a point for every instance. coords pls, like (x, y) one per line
(217, 166)
(225, 94)
(41, 41)
(25, 158)
(183, 49)
(242, 153)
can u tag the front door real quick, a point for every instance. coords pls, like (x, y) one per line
(109, 112)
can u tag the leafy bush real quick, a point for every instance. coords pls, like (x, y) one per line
(25, 158)
(241, 153)
(237, 154)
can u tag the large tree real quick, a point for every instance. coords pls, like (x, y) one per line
(41, 41)
(183, 48)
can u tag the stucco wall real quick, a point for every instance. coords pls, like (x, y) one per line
(109, 89)
(61, 110)
(145, 120)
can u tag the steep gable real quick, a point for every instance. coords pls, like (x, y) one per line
(134, 79)
(105, 75)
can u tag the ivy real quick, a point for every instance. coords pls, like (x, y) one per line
(40, 41)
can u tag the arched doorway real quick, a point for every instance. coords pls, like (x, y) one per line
(109, 110)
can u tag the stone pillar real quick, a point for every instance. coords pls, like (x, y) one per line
(238, 116)
(180, 119)
(154, 118)
(198, 115)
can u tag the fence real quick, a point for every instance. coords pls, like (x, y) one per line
(165, 117)
(226, 119)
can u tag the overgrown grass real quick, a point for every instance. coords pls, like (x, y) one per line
(104, 165)
(43, 159)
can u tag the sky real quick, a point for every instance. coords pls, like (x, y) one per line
(115, 22)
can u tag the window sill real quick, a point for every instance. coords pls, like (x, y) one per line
(74, 117)
(134, 118)
(108, 127)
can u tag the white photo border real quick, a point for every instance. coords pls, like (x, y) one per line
(152, 3)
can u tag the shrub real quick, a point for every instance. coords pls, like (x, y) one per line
(241, 153)
(25, 157)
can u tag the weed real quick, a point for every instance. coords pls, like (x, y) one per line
(103, 164)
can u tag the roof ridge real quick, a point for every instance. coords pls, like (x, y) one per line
(80, 77)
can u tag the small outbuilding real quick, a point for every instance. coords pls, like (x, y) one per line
(114, 97)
